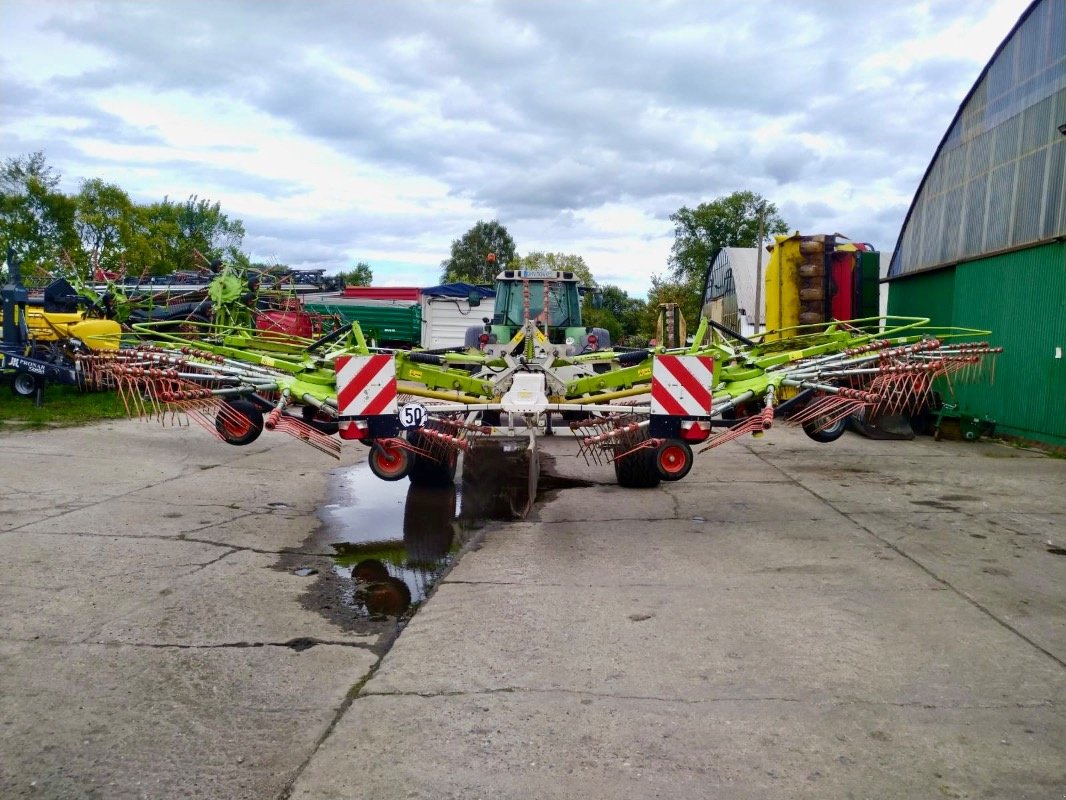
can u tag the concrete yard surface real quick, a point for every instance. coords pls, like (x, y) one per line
(861, 619)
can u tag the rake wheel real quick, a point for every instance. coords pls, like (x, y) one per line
(239, 422)
(673, 459)
(825, 435)
(389, 461)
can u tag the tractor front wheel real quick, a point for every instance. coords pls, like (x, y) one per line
(239, 422)
(673, 459)
(389, 461)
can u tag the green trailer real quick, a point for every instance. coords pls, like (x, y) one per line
(388, 323)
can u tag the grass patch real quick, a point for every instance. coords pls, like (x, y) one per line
(64, 406)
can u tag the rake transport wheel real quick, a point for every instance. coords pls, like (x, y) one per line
(239, 422)
(425, 471)
(637, 470)
(389, 461)
(828, 434)
(673, 459)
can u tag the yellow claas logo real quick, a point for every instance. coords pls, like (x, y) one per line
(415, 373)
(644, 372)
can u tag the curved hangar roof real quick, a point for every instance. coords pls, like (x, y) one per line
(998, 179)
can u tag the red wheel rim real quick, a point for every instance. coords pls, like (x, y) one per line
(672, 459)
(236, 424)
(389, 460)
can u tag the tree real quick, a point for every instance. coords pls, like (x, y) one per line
(731, 221)
(620, 314)
(563, 262)
(189, 235)
(469, 260)
(35, 217)
(360, 275)
(105, 222)
(685, 293)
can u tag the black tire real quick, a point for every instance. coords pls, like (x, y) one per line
(673, 459)
(825, 435)
(23, 384)
(241, 423)
(637, 470)
(389, 464)
(425, 471)
(428, 525)
(320, 421)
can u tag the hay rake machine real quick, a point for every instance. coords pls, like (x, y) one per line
(642, 411)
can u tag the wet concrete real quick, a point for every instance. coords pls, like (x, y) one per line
(393, 541)
(863, 619)
(791, 620)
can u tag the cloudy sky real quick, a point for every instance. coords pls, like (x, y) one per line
(381, 130)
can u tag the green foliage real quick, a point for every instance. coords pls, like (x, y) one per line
(64, 406)
(600, 318)
(101, 225)
(620, 314)
(685, 293)
(191, 235)
(469, 263)
(360, 275)
(563, 262)
(730, 221)
(35, 218)
(105, 223)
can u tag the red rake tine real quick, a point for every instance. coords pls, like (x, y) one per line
(305, 433)
(750, 425)
(815, 409)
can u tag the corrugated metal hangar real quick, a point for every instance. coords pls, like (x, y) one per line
(984, 242)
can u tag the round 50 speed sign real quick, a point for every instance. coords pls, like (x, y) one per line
(413, 415)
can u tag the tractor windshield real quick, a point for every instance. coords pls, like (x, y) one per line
(511, 304)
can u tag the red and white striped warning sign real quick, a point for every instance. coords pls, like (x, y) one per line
(681, 385)
(366, 385)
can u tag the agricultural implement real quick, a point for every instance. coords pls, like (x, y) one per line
(41, 342)
(642, 411)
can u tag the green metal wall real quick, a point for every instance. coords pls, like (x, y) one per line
(930, 295)
(395, 324)
(1021, 298)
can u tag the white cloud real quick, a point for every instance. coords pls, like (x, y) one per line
(381, 131)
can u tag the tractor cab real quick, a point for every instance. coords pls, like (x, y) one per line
(548, 297)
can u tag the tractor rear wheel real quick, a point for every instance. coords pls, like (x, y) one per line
(673, 459)
(389, 461)
(637, 470)
(239, 422)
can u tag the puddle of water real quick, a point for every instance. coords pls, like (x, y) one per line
(392, 540)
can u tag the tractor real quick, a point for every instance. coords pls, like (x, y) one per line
(551, 298)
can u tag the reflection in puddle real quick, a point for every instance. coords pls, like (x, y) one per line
(393, 541)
